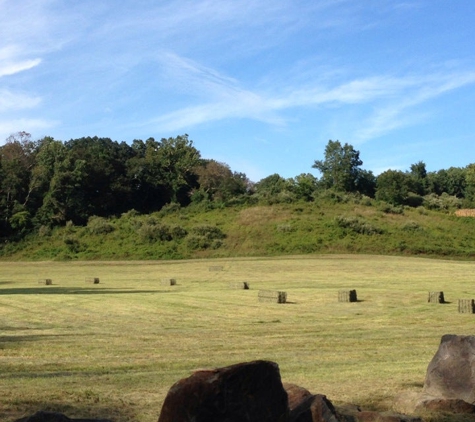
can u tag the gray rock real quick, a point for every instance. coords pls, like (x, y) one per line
(451, 372)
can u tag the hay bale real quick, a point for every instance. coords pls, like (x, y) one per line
(45, 281)
(466, 306)
(347, 296)
(467, 212)
(168, 282)
(239, 285)
(93, 280)
(216, 268)
(436, 297)
(272, 296)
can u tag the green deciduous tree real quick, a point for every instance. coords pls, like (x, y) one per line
(17, 158)
(340, 167)
(393, 186)
(218, 182)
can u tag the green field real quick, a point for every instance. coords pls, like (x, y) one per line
(113, 349)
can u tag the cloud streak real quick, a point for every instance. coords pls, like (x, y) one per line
(393, 99)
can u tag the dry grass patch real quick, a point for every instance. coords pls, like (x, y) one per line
(465, 213)
(262, 215)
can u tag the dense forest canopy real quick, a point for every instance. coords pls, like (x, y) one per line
(47, 182)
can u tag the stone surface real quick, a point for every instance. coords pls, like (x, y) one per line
(446, 405)
(451, 372)
(314, 408)
(295, 394)
(251, 392)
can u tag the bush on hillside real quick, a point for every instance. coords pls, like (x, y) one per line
(357, 225)
(443, 202)
(99, 225)
(205, 236)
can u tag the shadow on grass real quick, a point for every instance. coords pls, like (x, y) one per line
(117, 410)
(52, 290)
(30, 337)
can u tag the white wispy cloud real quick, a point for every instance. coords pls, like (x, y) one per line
(402, 110)
(10, 68)
(217, 97)
(15, 101)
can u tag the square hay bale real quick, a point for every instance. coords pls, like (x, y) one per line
(272, 296)
(466, 306)
(347, 296)
(93, 280)
(168, 282)
(239, 285)
(45, 281)
(216, 268)
(436, 297)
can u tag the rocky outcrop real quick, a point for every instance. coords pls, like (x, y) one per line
(251, 392)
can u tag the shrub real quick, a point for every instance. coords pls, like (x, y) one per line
(205, 236)
(171, 208)
(443, 202)
(155, 232)
(178, 232)
(422, 211)
(130, 214)
(391, 209)
(45, 231)
(357, 225)
(413, 200)
(411, 226)
(72, 244)
(99, 225)
(208, 231)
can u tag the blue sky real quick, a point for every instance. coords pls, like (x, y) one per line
(261, 86)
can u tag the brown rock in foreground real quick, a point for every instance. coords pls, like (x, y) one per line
(250, 392)
(295, 394)
(315, 408)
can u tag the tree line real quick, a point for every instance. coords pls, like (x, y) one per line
(48, 182)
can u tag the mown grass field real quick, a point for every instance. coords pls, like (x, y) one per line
(113, 349)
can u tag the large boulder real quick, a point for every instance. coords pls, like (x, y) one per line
(451, 372)
(250, 392)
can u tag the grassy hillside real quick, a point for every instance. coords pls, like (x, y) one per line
(333, 225)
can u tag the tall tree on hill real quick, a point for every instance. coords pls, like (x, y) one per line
(340, 168)
(162, 172)
(218, 182)
(17, 158)
(419, 176)
(178, 160)
(105, 187)
(393, 186)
